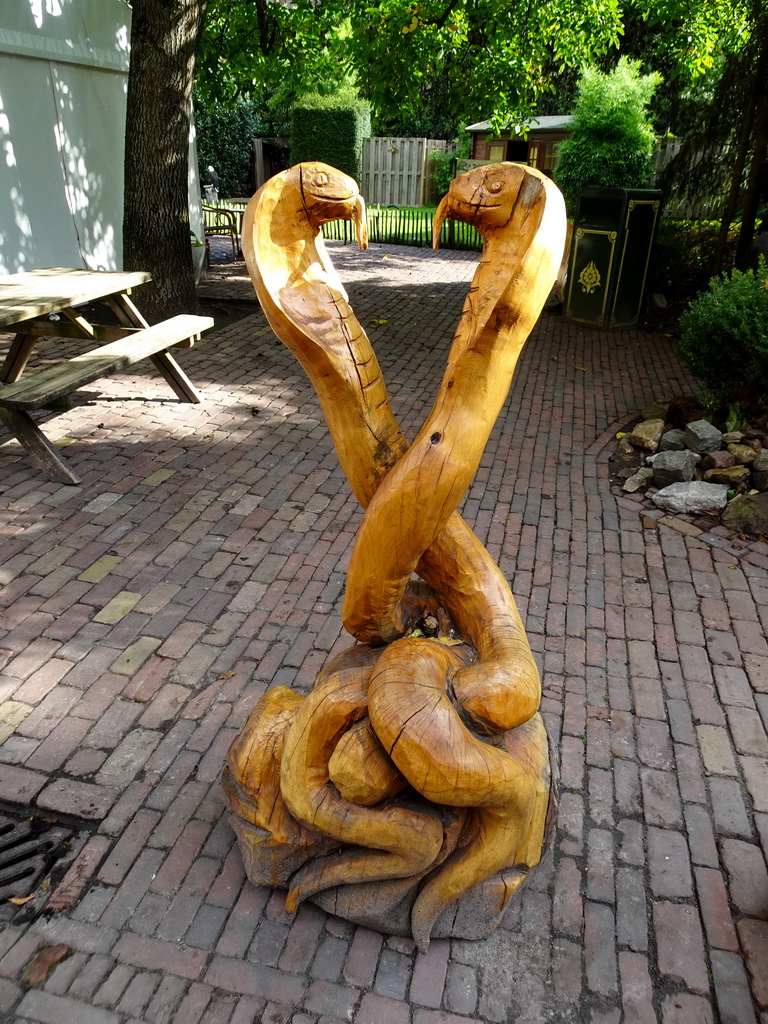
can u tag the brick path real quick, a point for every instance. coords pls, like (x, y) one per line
(202, 559)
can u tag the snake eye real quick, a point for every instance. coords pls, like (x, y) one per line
(495, 186)
(321, 178)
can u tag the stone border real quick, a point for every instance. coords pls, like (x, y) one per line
(700, 528)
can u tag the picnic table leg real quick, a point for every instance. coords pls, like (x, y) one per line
(16, 359)
(41, 451)
(175, 376)
(185, 390)
(126, 312)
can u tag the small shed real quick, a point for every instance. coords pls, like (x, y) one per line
(538, 149)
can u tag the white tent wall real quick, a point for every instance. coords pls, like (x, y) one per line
(63, 82)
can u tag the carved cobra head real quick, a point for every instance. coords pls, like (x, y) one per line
(327, 195)
(485, 197)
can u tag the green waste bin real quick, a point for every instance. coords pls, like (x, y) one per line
(613, 234)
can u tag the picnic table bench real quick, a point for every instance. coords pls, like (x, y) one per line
(27, 299)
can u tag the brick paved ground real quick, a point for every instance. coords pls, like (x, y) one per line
(202, 560)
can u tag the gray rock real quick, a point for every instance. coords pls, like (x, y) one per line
(673, 441)
(692, 497)
(702, 437)
(647, 434)
(760, 471)
(638, 481)
(748, 513)
(672, 467)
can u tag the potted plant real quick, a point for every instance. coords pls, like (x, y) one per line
(603, 172)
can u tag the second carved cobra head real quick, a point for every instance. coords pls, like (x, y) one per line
(486, 197)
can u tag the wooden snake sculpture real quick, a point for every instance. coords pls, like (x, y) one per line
(453, 726)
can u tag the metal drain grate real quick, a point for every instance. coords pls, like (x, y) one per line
(28, 851)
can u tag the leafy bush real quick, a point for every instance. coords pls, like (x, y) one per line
(612, 141)
(684, 257)
(331, 129)
(724, 336)
(442, 165)
(224, 141)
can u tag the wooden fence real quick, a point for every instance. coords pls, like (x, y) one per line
(396, 172)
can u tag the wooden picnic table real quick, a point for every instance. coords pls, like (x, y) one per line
(27, 302)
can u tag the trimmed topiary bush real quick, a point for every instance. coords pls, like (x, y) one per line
(224, 141)
(331, 129)
(612, 141)
(724, 337)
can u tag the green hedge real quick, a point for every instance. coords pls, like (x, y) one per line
(724, 337)
(225, 140)
(330, 133)
(684, 257)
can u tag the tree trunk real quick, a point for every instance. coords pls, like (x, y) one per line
(737, 175)
(759, 154)
(164, 40)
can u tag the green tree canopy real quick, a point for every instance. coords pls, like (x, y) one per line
(469, 58)
(725, 152)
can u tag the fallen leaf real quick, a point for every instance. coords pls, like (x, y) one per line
(621, 433)
(581, 368)
(43, 963)
(386, 257)
(227, 675)
(448, 641)
(19, 901)
(378, 323)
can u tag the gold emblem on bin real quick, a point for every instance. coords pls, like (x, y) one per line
(589, 278)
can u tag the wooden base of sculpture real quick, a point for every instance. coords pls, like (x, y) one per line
(410, 789)
(274, 847)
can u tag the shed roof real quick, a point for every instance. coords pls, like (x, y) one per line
(544, 122)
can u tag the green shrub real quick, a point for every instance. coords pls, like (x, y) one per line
(724, 335)
(331, 129)
(612, 142)
(224, 141)
(684, 257)
(442, 165)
